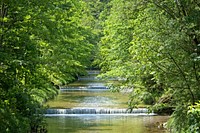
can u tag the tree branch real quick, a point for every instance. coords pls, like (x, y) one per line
(166, 9)
(184, 77)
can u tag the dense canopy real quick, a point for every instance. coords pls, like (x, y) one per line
(153, 45)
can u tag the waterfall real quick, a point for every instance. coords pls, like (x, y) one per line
(89, 84)
(89, 88)
(97, 111)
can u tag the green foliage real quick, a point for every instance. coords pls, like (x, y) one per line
(19, 112)
(42, 45)
(194, 118)
(154, 45)
(186, 118)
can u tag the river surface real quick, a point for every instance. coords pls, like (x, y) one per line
(87, 106)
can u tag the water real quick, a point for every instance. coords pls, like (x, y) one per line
(139, 111)
(87, 106)
(90, 94)
(105, 124)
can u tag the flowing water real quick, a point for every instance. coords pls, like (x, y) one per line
(87, 106)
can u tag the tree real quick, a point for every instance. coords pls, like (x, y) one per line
(42, 46)
(160, 55)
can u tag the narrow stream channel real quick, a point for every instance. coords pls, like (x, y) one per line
(87, 106)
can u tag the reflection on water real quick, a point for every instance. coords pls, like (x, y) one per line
(106, 124)
(85, 98)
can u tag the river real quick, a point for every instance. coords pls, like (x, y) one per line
(87, 106)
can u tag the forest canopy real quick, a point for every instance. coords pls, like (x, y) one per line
(153, 45)
(43, 45)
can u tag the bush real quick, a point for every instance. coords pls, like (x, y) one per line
(194, 118)
(186, 119)
(148, 98)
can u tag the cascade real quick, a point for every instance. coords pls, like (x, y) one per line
(140, 111)
(92, 85)
(89, 88)
(87, 106)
